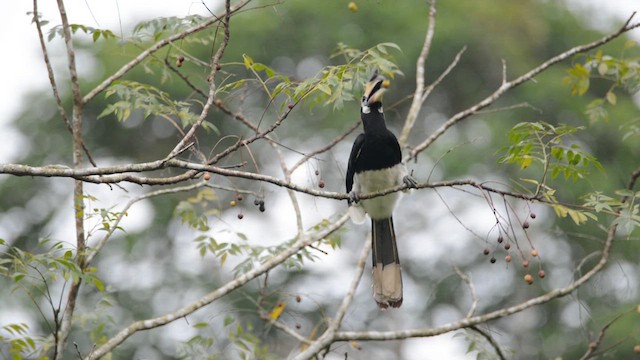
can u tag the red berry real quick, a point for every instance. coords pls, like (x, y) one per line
(206, 176)
(525, 264)
(532, 215)
(541, 274)
(507, 246)
(529, 279)
(321, 184)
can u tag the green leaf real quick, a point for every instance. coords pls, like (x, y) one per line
(611, 98)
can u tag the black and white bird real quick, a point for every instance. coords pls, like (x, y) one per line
(375, 164)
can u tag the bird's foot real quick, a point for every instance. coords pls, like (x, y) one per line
(353, 198)
(410, 182)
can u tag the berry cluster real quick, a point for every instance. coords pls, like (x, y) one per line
(508, 258)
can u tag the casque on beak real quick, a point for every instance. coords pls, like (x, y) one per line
(374, 89)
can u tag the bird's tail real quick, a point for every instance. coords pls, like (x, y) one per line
(387, 277)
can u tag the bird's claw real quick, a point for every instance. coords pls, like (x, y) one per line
(353, 198)
(410, 182)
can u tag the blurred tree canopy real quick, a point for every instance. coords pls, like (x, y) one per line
(565, 143)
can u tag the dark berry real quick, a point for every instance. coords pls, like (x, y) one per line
(239, 197)
(532, 215)
(321, 184)
(507, 246)
(261, 208)
(493, 260)
(500, 239)
(240, 216)
(485, 251)
(541, 274)
(525, 225)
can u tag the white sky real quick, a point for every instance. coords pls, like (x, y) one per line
(22, 70)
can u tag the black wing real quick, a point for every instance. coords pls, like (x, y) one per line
(355, 153)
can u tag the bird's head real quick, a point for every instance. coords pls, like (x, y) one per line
(373, 91)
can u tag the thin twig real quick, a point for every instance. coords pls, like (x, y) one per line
(593, 345)
(327, 337)
(490, 340)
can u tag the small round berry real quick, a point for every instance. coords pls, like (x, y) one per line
(500, 239)
(541, 274)
(507, 258)
(240, 216)
(233, 203)
(525, 225)
(636, 349)
(239, 197)
(261, 207)
(525, 264)
(353, 6)
(218, 102)
(298, 298)
(532, 215)
(507, 246)
(290, 105)
(534, 252)
(317, 172)
(256, 202)
(492, 260)
(529, 279)
(179, 61)
(298, 326)
(485, 251)
(206, 176)
(321, 184)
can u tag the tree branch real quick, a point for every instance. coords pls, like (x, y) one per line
(154, 48)
(508, 85)
(418, 100)
(327, 337)
(218, 293)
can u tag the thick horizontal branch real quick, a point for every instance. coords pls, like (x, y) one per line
(120, 173)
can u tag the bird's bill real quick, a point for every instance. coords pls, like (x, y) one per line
(374, 89)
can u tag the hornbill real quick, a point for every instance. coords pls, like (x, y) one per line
(375, 164)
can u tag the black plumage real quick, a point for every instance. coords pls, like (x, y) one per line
(375, 164)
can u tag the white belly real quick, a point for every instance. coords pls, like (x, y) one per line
(376, 180)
